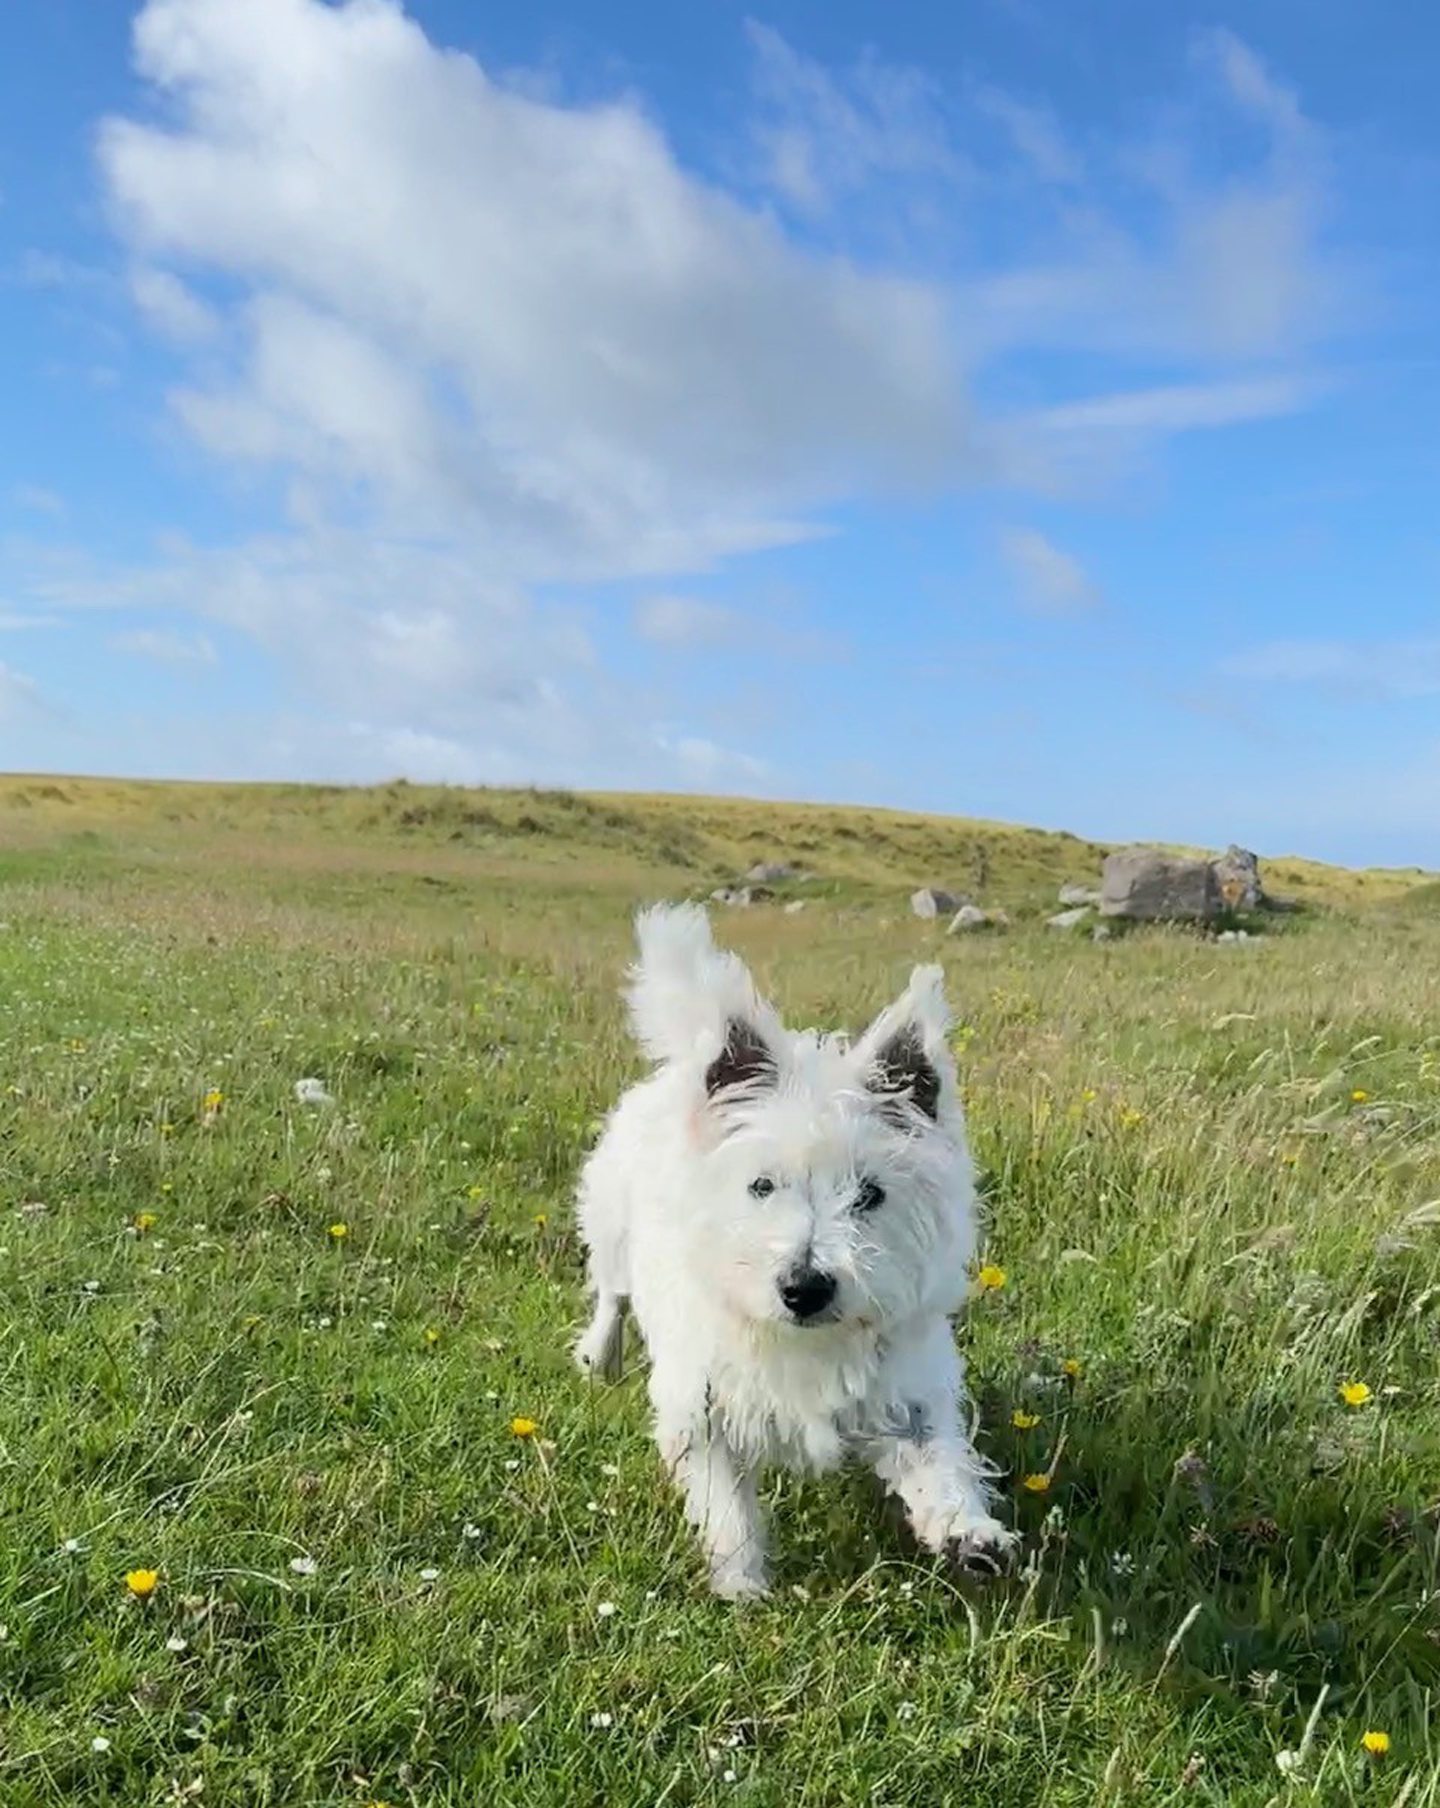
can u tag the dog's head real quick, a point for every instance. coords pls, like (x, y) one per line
(830, 1181)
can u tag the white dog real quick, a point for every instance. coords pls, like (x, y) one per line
(791, 1217)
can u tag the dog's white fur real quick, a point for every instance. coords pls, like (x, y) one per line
(669, 1211)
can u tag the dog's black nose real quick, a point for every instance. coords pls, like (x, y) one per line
(807, 1293)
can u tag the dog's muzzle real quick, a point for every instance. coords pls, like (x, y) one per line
(807, 1294)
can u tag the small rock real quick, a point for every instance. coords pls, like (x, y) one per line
(1069, 919)
(1102, 932)
(968, 916)
(794, 907)
(311, 1091)
(930, 902)
(1072, 895)
(770, 872)
(722, 894)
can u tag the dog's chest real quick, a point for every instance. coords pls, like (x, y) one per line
(801, 1402)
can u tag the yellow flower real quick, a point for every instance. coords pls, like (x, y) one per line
(251, 1320)
(1070, 1368)
(1376, 1743)
(339, 1232)
(142, 1583)
(430, 1334)
(1359, 1095)
(475, 1192)
(145, 1221)
(1024, 1421)
(167, 1129)
(1290, 1158)
(524, 1428)
(1037, 1484)
(1089, 1095)
(1354, 1393)
(214, 1099)
(991, 1277)
(1130, 1117)
(541, 1220)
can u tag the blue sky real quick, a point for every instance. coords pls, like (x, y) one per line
(986, 409)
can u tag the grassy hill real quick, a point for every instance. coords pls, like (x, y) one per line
(274, 1352)
(694, 842)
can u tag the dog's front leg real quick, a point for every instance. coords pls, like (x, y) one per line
(923, 1454)
(720, 1501)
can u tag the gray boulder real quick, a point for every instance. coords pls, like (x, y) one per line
(770, 872)
(1238, 873)
(1071, 896)
(1147, 886)
(794, 907)
(967, 917)
(930, 902)
(1070, 919)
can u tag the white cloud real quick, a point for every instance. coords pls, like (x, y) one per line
(1034, 133)
(1047, 580)
(1363, 670)
(522, 317)
(19, 621)
(824, 134)
(165, 647)
(20, 696)
(685, 621)
(171, 307)
(36, 499)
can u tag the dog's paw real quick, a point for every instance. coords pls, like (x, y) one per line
(978, 1547)
(739, 1582)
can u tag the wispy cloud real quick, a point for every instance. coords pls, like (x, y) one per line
(165, 647)
(1047, 580)
(1361, 670)
(36, 499)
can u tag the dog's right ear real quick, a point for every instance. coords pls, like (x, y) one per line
(692, 1001)
(745, 1061)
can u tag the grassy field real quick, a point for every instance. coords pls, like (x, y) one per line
(273, 1352)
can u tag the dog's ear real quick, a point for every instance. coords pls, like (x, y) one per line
(691, 1001)
(904, 1073)
(904, 1057)
(745, 1061)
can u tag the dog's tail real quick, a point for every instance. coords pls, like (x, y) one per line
(684, 992)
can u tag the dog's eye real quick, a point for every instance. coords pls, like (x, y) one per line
(870, 1195)
(762, 1186)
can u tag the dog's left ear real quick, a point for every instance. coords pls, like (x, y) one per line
(904, 1055)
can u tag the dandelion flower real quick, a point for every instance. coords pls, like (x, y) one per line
(213, 1100)
(144, 1221)
(541, 1220)
(1354, 1393)
(1070, 1368)
(1359, 1095)
(1024, 1421)
(430, 1335)
(142, 1583)
(339, 1231)
(991, 1277)
(1037, 1484)
(1376, 1743)
(524, 1428)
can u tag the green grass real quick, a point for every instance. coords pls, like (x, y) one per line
(1185, 1191)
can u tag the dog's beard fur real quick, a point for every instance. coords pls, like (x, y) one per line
(791, 1216)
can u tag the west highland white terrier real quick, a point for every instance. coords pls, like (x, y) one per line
(790, 1216)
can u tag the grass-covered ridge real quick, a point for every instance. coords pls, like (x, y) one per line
(1211, 1176)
